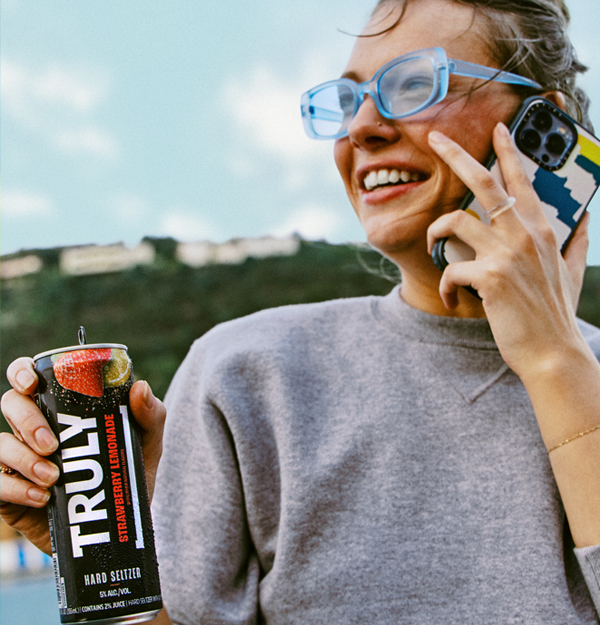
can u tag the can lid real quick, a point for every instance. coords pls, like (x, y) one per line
(74, 348)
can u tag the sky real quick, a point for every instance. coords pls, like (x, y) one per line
(121, 120)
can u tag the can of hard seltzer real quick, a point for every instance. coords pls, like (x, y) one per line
(100, 526)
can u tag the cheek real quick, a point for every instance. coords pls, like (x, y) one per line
(476, 137)
(342, 154)
(472, 133)
(472, 126)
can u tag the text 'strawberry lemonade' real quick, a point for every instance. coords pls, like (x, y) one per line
(100, 526)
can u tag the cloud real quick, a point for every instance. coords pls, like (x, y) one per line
(68, 88)
(22, 204)
(58, 103)
(265, 107)
(185, 225)
(310, 222)
(73, 89)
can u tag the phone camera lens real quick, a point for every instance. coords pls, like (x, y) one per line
(542, 121)
(555, 144)
(530, 139)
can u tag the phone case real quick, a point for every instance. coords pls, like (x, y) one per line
(565, 189)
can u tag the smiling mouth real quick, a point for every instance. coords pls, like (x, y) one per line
(376, 179)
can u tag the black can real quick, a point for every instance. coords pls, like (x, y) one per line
(100, 526)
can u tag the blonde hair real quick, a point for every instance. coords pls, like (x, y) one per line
(529, 38)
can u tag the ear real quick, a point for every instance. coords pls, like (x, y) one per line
(556, 97)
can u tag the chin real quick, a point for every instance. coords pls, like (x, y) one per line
(395, 244)
(396, 236)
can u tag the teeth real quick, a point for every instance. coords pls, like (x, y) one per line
(371, 180)
(394, 176)
(384, 176)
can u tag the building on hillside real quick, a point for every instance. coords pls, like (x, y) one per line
(95, 259)
(198, 254)
(92, 259)
(21, 266)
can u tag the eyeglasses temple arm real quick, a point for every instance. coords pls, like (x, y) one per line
(319, 113)
(472, 70)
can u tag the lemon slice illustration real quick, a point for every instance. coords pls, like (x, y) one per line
(118, 369)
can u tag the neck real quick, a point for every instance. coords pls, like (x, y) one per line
(424, 295)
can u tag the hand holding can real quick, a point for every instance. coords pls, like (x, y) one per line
(95, 390)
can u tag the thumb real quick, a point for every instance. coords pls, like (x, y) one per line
(150, 414)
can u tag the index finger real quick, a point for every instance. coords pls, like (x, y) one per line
(513, 172)
(28, 423)
(21, 412)
(477, 177)
(21, 375)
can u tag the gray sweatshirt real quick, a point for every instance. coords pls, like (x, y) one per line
(360, 461)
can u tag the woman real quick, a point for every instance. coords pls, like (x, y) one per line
(385, 460)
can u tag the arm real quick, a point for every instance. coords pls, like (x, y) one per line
(530, 293)
(209, 567)
(566, 399)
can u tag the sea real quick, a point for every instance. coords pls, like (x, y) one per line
(29, 601)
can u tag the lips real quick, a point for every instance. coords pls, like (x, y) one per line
(382, 181)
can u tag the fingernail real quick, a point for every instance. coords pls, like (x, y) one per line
(25, 379)
(149, 398)
(503, 130)
(47, 473)
(438, 137)
(38, 495)
(46, 441)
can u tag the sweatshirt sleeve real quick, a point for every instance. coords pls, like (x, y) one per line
(589, 561)
(208, 566)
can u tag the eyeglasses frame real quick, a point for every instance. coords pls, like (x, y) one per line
(442, 68)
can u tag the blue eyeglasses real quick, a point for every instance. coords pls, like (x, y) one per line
(404, 86)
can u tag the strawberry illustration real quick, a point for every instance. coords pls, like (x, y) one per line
(81, 371)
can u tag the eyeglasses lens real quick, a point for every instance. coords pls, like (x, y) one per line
(407, 86)
(403, 89)
(331, 109)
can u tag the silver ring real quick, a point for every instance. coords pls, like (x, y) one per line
(7, 470)
(509, 202)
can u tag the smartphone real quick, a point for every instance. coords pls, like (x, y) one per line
(562, 160)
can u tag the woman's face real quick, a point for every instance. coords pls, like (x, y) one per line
(395, 218)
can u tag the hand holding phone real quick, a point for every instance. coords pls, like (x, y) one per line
(562, 160)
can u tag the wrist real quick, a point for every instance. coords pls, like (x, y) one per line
(564, 389)
(557, 364)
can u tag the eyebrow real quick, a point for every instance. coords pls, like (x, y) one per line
(351, 76)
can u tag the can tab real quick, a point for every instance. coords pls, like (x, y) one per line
(81, 335)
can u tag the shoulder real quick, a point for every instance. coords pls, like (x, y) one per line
(280, 334)
(287, 323)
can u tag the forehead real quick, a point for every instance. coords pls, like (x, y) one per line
(424, 24)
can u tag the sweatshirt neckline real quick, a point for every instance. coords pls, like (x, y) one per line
(424, 327)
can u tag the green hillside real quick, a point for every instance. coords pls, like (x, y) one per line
(160, 309)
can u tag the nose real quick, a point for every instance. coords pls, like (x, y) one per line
(370, 129)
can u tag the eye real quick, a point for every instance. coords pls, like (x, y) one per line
(346, 99)
(414, 83)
